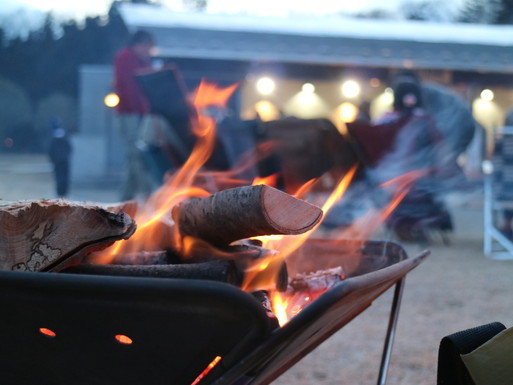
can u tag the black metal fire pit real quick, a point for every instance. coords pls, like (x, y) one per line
(76, 329)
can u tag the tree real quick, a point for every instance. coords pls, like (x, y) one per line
(199, 5)
(480, 12)
(375, 14)
(506, 13)
(15, 115)
(46, 62)
(438, 10)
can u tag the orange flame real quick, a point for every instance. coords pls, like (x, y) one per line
(156, 230)
(264, 272)
(288, 304)
(271, 180)
(288, 244)
(363, 227)
(153, 218)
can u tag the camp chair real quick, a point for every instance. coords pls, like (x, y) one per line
(476, 356)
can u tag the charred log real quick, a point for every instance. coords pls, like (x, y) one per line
(220, 270)
(262, 296)
(161, 257)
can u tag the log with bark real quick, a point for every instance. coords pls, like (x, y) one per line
(220, 270)
(244, 212)
(51, 235)
(229, 267)
(54, 235)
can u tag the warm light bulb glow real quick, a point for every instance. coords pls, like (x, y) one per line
(266, 110)
(308, 88)
(347, 112)
(111, 100)
(487, 95)
(350, 89)
(387, 96)
(265, 85)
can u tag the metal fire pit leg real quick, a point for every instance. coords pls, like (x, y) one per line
(389, 338)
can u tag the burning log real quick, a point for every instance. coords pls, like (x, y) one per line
(219, 270)
(244, 212)
(51, 235)
(161, 257)
(166, 263)
(262, 296)
(318, 281)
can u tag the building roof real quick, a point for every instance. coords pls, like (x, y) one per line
(325, 40)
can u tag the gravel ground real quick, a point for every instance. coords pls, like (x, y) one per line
(454, 289)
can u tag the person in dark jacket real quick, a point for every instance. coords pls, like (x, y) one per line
(60, 154)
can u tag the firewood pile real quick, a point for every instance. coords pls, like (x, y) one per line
(64, 236)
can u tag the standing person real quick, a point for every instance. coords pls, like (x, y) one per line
(60, 154)
(132, 60)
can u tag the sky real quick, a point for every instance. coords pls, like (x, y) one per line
(79, 8)
(30, 13)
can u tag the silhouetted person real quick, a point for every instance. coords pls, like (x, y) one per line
(60, 154)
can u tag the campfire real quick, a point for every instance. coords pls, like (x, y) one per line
(203, 229)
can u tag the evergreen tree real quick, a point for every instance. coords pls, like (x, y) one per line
(480, 12)
(48, 60)
(428, 10)
(506, 13)
(199, 5)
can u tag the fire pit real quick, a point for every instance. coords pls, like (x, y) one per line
(78, 329)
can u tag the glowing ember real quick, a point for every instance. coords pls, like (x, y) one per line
(303, 290)
(207, 370)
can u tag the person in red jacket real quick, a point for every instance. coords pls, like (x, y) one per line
(130, 61)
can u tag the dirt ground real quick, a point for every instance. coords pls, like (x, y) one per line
(454, 289)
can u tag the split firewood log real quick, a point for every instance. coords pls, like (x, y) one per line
(49, 235)
(244, 212)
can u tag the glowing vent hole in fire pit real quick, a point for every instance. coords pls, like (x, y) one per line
(122, 339)
(47, 332)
